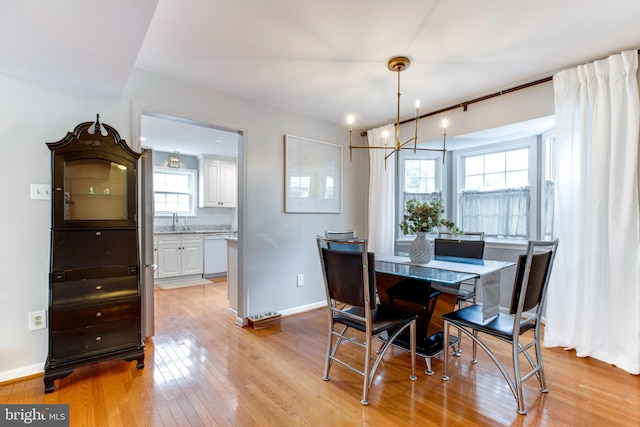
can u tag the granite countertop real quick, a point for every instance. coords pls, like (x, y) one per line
(194, 231)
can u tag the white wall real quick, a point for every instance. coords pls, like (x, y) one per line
(278, 246)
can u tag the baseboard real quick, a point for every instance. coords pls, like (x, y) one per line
(22, 372)
(304, 308)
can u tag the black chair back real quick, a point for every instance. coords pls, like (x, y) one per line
(537, 281)
(459, 248)
(345, 278)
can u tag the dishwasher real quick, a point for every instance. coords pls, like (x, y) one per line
(215, 254)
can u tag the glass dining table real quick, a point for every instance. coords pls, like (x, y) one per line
(442, 274)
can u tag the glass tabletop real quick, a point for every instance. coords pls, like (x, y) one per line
(488, 263)
(423, 273)
(442, 269)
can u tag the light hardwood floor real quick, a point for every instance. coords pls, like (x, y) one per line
(202, 370)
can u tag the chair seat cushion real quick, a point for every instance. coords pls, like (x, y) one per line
(500, 325)
(382, 319)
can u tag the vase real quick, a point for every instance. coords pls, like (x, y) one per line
(421, 249)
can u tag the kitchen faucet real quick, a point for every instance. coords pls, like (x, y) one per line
(175, 221)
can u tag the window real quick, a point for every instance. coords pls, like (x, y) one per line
(496, 181)
(174, 191)
(419, 176)
(506, 190)
(421, 181)
(497, 171)
(495, 192)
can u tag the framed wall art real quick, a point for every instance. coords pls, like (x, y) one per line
(312, 176)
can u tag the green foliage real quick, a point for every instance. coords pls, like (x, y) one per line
(424, 217)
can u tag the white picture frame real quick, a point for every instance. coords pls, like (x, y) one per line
(312, 176)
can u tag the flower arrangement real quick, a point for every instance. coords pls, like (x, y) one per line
(424, 217)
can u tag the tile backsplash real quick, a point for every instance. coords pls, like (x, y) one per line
(206, 219)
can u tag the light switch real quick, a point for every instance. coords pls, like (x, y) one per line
(40, 192)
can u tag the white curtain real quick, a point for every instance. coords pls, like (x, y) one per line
(593, 304)
(381, 194)
(498, 213)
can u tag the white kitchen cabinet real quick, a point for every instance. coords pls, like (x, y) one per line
(218, 180)
(179, 255)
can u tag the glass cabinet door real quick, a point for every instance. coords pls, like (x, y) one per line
(95, 189)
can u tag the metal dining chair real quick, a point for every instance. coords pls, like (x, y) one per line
(525, 314)
(350, 286)
(472, 246)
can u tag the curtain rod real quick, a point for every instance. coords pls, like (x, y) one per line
(465, 104)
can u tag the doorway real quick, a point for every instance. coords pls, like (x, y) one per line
(165, 138)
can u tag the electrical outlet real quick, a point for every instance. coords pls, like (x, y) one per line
(37, 320)
(300, 280)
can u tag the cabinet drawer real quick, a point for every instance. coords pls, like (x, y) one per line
(94, 340)
(64, 318)
(169, 238)
(89, 289)
(192, 238)
(76, 249)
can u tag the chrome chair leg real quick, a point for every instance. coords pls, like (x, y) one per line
(460, 302)
(367, 371)
(474, 359)
(445, 377)
(332, 349)
(458, 351)
(428, 371)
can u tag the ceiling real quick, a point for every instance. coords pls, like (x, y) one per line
(174, 135)
(324, 58)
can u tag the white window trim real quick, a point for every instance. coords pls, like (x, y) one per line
(534, 145)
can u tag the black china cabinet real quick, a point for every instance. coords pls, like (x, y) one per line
(94, 282)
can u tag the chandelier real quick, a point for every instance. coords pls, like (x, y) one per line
(398, 64)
